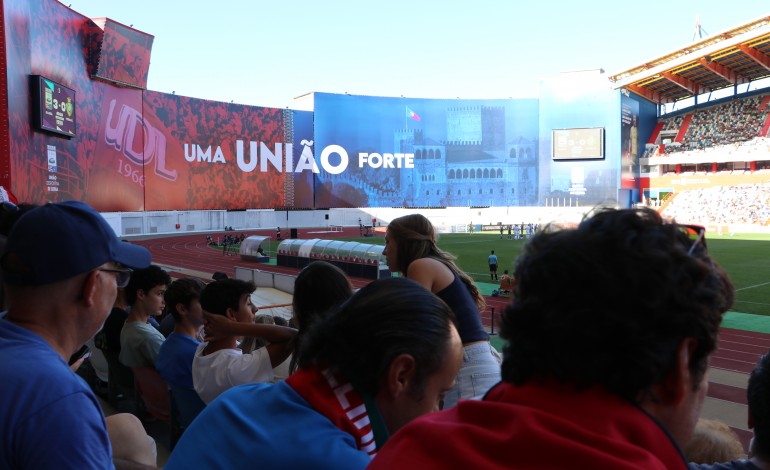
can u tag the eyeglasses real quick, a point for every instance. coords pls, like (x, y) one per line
(696, 234)
(122, 275)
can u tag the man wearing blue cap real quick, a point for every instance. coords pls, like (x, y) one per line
(62, 267)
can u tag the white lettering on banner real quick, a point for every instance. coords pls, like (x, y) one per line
(306, 160)
(329, 150)
(196, 153)
(123, 136)
(128, 129)
(375, 160)
(268, 156)
(274, 158)
(260, 155)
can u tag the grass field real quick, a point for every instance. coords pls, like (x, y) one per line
(745, 257)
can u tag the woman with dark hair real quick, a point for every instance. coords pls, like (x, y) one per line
(317, 289)
(410, 249)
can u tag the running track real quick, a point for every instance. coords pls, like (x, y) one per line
(736, 355)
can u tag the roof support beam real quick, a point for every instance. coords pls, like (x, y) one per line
(758, 56)
(686, 83)
(653, 96)
(725, 72)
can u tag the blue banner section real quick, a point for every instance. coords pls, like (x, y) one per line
(631, 144)
(572, 102)
(411, 152)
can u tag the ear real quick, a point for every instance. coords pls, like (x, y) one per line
(230, 314)
(181, 309)
(140, 294)
(89, 288)
(675, 386)
(400, 375)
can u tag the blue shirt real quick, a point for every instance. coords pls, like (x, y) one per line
(492, 259)
(175, 358)
(266, 426)
(50, 417)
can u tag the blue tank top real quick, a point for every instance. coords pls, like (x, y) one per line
(460, 300)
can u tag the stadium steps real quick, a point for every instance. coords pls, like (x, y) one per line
(763, 105)
(765, 126)
(683, 128)
(656, 132)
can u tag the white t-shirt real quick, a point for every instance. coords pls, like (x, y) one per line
(281, 371)
(216, 372)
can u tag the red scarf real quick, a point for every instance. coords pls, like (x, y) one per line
(335, 397)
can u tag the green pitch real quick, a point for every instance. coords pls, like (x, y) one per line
(745, 257)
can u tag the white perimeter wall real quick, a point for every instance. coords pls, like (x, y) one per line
(178, 222)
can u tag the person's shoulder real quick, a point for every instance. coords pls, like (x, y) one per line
(181, 340)
(147, 329)
(226, 354)
(420, 443)
(426, 263)
(430, 272)
(284, 431)
(178, 344)
(129, 328)
(422, 265)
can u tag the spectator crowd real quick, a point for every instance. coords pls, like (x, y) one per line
(596, 372)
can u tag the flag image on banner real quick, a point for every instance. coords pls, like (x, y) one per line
(412, 114)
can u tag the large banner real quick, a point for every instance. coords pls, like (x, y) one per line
(630, 143)
(134, 149)
(202, 154)
(384, 152)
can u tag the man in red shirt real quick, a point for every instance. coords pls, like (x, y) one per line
(609, 336)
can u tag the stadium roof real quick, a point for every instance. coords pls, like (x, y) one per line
(734, 57)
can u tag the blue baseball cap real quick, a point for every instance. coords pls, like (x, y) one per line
(60, 240)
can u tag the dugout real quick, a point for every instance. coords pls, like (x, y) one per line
(354, 258)
(250, 249)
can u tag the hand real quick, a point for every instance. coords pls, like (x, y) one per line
(217, 326)
(76, 365)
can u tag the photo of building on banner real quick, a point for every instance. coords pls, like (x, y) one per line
(426, 153)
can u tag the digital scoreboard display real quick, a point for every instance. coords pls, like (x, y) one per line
(578, 144)
(53, 106)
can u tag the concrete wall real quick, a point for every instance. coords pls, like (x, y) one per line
(130, 224)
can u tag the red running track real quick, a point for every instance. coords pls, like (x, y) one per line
(737, 350)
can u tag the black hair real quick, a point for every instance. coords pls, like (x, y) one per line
(182, 291)
(758, 392)
(383, 320)
(218, 296)
(144, 280)
(609, 302)
(318, 288)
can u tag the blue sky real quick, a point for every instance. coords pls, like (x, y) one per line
(266, 53)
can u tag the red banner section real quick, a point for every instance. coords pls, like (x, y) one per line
(117, 171)
(208, 155)
(133, 149)
(120, 53)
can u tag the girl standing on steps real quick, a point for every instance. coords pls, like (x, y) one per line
(410, 249)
